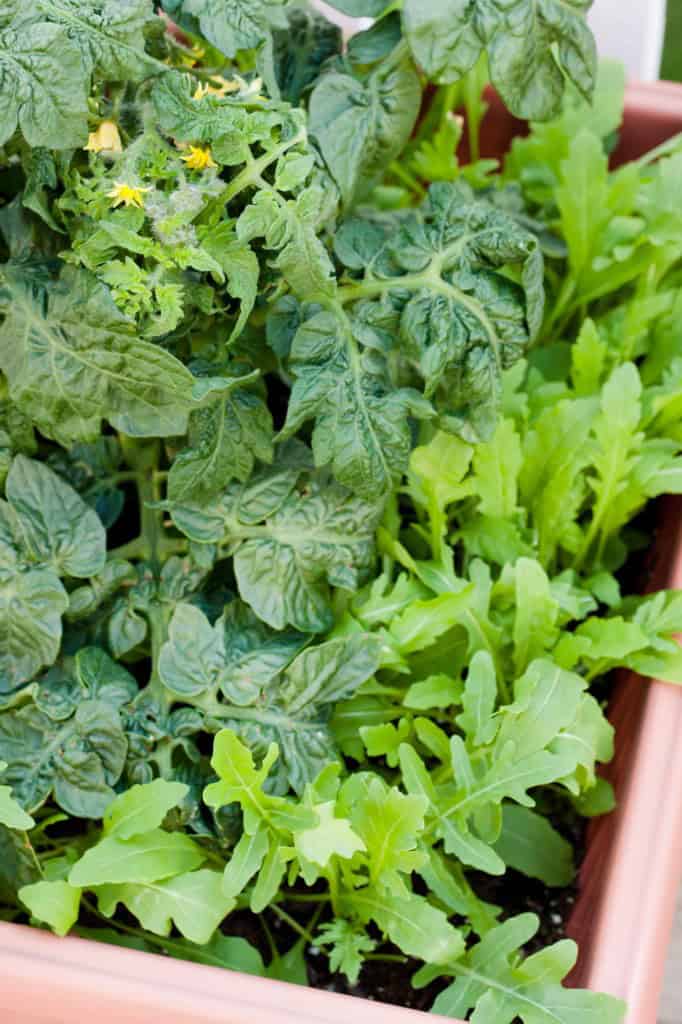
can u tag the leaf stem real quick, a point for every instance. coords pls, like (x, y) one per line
(292, 923)
(408, 179)
(254, 168)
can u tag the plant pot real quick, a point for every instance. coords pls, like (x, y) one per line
(628, 880)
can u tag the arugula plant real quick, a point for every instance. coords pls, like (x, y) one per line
(321, 454)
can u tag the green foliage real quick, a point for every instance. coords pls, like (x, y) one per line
(361, 125)
(315, 534)
(12, 814)
(46, 532)
(503, 988)
(530, 47)
(320, 451)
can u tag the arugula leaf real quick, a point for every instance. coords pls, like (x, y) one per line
(348, 946)
(149, 857)
(412, 923)
(142, 808)
(193, 902)
(501, 987)
(227, 951)
(528, 843)
(241, 782)
(54, 902)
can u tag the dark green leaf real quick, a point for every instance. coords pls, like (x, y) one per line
(361, 126)
(361, 421)
(72, 359)
(530, 47)
(77, 760)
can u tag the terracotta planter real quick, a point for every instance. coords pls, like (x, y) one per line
(628, 881)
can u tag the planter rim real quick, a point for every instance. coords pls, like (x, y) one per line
(629, 918)
(82, 976)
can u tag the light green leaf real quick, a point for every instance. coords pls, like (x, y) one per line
(437, 691)
(348, 944)
(412, 923)
(332, 837)
(556, 451)
(142, 808)
(150, 857)
(618, 441)
(528, 843)
(246, 860)
(423, 622)
(535, 622)
(588, 356)
(496, 468)
(479, 700)
(12, 814)
(504, 987)
(55, 903)
(270, 876)
(389, 824)
(230, 952)
(582, 192)
(241, 782)
(194, 902)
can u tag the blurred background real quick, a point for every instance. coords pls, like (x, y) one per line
(645, 34)
(671, 64)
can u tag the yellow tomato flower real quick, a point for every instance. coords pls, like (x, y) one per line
(198, 158)
(128, 195)
(219, 86)
(105, 138)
